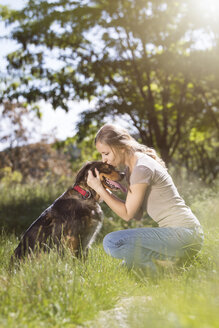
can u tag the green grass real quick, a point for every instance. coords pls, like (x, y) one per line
(54, 291)
(21, 204)
(51, 291)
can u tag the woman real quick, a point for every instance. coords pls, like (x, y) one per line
(151, 189)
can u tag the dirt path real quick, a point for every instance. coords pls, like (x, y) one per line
(118, 317)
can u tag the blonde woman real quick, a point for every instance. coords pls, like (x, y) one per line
(151, 189)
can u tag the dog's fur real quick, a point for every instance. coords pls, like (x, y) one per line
(71, 220)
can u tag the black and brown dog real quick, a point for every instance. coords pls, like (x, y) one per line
(74, 219)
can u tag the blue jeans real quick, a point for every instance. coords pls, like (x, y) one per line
(141, 247)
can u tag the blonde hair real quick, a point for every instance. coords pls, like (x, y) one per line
(119, 138)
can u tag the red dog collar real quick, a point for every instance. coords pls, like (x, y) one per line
(85, 193)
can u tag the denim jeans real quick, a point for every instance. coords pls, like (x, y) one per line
(141, 247)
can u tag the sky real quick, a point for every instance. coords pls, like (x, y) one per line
(59, 121)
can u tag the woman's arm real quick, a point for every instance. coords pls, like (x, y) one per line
(126, 210)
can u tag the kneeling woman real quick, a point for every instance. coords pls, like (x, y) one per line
(151, 189)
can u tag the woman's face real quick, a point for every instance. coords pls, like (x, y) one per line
(108, 155)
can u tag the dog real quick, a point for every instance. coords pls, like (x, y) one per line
(74, 219)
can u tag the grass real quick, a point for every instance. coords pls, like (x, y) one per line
(21, 204)
(50, 291)
(54, 291)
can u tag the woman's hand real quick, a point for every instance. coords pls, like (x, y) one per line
(94, 182)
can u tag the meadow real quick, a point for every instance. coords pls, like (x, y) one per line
(53, 291)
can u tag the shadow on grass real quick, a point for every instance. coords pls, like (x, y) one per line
(20, 205)
(16, 218)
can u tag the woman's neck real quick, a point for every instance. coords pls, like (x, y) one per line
(131, 159)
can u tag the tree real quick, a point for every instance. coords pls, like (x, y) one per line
(22, 160)
(14, 131)
(138, 58)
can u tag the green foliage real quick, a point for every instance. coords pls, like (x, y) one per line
(139, 59)
(9, 177)
(81, 149)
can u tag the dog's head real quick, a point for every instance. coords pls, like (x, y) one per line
(109, 176)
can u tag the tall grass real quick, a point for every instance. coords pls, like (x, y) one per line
(54, 291)
(21, 204)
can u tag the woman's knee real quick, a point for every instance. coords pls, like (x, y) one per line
(112, 242)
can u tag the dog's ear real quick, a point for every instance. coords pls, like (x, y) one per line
(82, 174)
